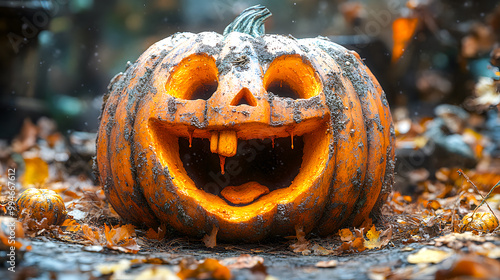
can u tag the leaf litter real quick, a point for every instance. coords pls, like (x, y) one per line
(457, 209)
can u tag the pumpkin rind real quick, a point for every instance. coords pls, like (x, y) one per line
(341, 113)
(41, 203)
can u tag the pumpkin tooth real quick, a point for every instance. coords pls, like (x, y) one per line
(214, 141)
(291, 136)
(228, 143)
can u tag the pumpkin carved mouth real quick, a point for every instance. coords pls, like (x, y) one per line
(257, 168)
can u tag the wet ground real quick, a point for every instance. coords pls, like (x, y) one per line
(53, 259)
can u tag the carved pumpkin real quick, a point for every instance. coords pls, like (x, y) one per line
(251, 133)
(41, 203)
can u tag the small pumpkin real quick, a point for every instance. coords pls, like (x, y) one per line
(41, 203)
(251, 133)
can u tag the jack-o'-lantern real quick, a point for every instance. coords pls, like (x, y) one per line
(251, 133)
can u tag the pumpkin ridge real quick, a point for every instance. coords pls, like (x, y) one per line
(352, 71)
(347, 126)
(386, 151)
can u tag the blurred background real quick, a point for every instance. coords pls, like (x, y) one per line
(57, 57)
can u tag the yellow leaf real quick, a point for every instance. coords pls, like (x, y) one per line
(373, 239)
(428, 256)
(36, 172)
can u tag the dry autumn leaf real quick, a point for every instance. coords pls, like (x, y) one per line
(36, 171)
(243, 261)
(70, 225)
(152, 234)
(208, 269)
(6, 230)
(471, 267)
(346, 235)
(26, 138)
(302, 245)
(426, 255)
(327, 264)
(211, 240)
(377, 239)
(156, 273)
(116, 238)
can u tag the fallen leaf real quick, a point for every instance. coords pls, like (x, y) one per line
(302, 245)
(26, 138)
(208, 269)
(70, 225)
(211, 240)
(377, 239)
(91, 235)
(111, 268)
(36, 171)
(321, 251)
(243, 261)
(152, 234)
(121, 238)
(426, 255)
(471, 267)
(346, 235)
(156, 273)
(10, 226)
(327, 264)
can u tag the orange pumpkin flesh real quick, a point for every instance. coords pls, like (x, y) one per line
(253, 135)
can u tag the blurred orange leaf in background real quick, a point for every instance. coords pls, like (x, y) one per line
(208, 269)
(402, 31)
(36, 172)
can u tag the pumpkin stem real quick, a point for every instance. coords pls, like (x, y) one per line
(250, 21)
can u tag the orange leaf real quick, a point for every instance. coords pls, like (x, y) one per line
(346, 235)
(91, 235)
(152, 234)
(70, 225)
(402, 31)
(301, 246)
(358, 244)
(209, 268)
